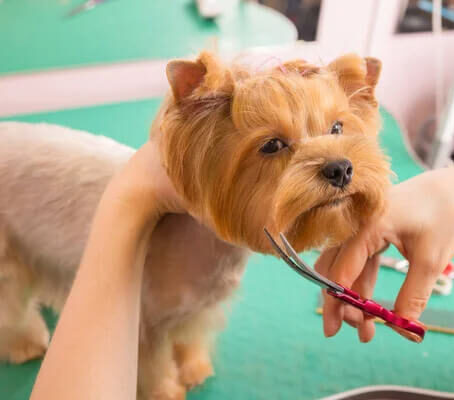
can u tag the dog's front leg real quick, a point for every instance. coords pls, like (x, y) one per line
(23, 333)
(158, 372)
(193, 344)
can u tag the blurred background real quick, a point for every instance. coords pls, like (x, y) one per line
(100, 66)
(41, 46)
(417, 55)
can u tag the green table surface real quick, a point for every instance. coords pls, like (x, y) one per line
(273, 347)
(35, 35)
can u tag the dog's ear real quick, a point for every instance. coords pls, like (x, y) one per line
(205, 76)
(357, 76)
(184, 77)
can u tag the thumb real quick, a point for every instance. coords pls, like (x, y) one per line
(414, 293)
(425, 267)
(347, 267)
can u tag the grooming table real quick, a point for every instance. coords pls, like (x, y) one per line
(36, 35)
(273, 347)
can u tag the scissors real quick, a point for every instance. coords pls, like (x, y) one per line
(415, 331)
(85, 6)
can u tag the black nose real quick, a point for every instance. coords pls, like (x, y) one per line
(338, 173)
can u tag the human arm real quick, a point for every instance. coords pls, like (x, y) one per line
(94, 350)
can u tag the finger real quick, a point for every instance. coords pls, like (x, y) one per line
(324, 262)
(350, 261)
(424, 269)
(352, 316)
(322, 265)
(333, 315)
(365, 285)
(346, 268)
(366, 330)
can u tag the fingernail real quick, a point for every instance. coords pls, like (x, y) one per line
(332, 328)
(363, 339)
(406, 334)
(329, 334)
(327, 331)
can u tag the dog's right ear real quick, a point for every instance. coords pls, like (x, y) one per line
(357, 76)
(205, 76)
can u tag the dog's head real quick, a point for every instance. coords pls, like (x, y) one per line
(293, 149)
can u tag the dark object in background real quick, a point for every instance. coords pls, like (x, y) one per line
(415, 17)
(303, 13)
(418, 17)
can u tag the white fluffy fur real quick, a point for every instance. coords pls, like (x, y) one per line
(51, 179)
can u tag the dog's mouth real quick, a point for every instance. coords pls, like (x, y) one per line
(317, 219)
(329, 203)
(326, 205)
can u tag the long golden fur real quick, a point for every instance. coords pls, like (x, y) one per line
(221, 118)
(211, 131)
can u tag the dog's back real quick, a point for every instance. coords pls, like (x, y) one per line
(51, 180)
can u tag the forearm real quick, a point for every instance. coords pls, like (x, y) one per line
(99, 362)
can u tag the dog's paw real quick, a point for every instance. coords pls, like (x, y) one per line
(195, 371)
(25, 348)
(169, 390)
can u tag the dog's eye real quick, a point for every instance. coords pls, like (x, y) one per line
(336, 129)
(272, 146)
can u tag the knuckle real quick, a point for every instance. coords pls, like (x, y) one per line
(374, 242)
(431, 265)
(417, 304)
(431, 268)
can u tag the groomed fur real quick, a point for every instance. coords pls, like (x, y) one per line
(214, 128)
(210, 130)
(52, 179)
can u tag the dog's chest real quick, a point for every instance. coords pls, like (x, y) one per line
(188, 269)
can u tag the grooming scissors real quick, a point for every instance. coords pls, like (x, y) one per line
(370, 307)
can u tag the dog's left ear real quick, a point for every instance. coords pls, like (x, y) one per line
(204, 77)
(357, 76)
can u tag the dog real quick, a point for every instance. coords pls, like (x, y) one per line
(292, 148)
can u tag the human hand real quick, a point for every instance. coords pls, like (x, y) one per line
(141, 191)
(420, 223)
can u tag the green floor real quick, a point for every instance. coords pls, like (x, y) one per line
(273, 347)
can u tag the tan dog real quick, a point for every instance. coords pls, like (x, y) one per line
(293, 149)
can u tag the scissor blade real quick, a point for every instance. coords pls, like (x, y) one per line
(322, 281)
(275, 245)
(291, 263)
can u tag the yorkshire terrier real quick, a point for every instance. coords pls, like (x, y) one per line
(292, 148)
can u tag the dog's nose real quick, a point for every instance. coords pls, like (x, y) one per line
(338, 173)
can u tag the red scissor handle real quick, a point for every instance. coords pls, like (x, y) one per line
(375, 309)
(448, 271)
